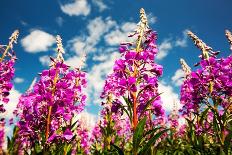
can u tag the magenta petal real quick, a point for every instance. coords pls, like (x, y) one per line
(68, 134)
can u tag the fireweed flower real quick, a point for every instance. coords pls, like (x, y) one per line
(7, 70)
(212, 79)
(133, 83)
(135, 74)
(210, 86)
(7, 61)
(46, 112)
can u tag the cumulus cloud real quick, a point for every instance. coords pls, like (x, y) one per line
(177, 78)
(164, 49)
(76, 8)
(100, 4)
(168, 96)
(11, 105)
(120, 34)
(88, 120)
(75, 62)
(97, 75)
(18, 80)
(37, 41)
(96, 28)
(45, 60)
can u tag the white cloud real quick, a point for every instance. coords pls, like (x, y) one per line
(59, 21)
(168, 96)
(164, 48)
(8, 114)
(45, 60)
(120, 34)
(37, 41)
(102, 57)
(151, 18)
(97, 75)
(76, 8)
(23, 23)
(177, 78)
(11, 105)
(182, 42)
(75, 62)
(100, 4)
(18, 80)
(96, 28)
(88, 120)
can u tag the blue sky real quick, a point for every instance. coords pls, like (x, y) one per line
(98, 26)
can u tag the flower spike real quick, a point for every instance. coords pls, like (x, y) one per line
(83, 60)
(13, 39)
(200, 44)
(229, 37)
(60, 49)
(143, 24)
(185, 67)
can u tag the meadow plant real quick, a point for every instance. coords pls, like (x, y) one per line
(46, 112)
(133, 107)
(133, 120)
(7, 70)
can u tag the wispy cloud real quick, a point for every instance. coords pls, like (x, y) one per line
(59, 21)
(76, 8)
(100, 4)
(45, 60)
(120, 34)
(182, 42)
(96, 28)
(151, 18)
(177, 78)
(18, 80)
(37, 41)
(164, 49)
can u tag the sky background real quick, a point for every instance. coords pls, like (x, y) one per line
(96, 27)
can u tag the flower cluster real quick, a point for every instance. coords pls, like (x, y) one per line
(211, 80)
(131, 90)
(7, 70)
(45, 113)
(135, 74)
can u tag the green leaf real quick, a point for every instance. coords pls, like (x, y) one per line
(151, 142)
(150, 132)
(127, 112)
(149, 103)
(73, 125)
(120, 151)
(227, 142)
(138, 134)
(203, 115)
(129, 104)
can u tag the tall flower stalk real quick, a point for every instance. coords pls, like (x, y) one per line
(206, 97)
(133, 86)
(7, 61)
(46, 112)
(7, 70)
